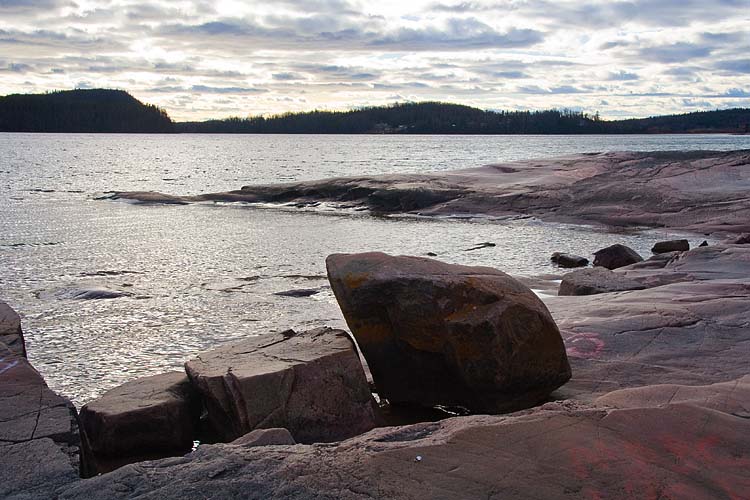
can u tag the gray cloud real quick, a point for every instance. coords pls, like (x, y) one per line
(675, 53)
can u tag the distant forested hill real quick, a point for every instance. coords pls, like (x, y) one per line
(81, 111)
(118, 111)
(443, 118)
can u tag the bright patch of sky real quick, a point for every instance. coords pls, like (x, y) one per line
(211, 59)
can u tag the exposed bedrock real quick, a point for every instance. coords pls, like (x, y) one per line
(311, 383)
(147, 418)
(639, 444)
(39, 441)
(441, 334)
(616, 256)
(11, 334)
(704, 191)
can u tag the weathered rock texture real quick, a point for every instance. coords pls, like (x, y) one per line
(671, 246)
(703, 191)
(568, 260)
(616, 256)
(10, 330)
(693, 448)
(265, 437)
(147, 418)
(310, 383)
(596, 280)
(39, 442)
(440, 334)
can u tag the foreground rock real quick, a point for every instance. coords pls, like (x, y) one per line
(39, 442)
(568, 260)
(147, 418)
(671, 246)
(616, 256)
(310, 383)
(694, 448)
(701, 191)
(596, 280)
(10, 330)
(440, 334)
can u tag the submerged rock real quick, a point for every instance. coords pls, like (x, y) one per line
(596, 280)
(671, 246)
(441, 334)
(616, 256)
(298, 292)
(311, 383)
(85, 293)
(569, 260)
(147, 418)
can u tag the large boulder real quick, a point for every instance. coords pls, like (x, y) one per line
(311, 383)
(10, 330)
(441, 334)
(616, 256)
(596, 280)
(671, 246)
(147, 418)
(568, 260)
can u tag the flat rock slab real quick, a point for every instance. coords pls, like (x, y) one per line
(559, 451)
(671, 246)
(596, 280)
(310, 383)
(440, 334)
(39, 441)
(10, 330)
(694, 332)
(147, 418)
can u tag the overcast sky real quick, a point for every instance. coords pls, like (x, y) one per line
(213, 59)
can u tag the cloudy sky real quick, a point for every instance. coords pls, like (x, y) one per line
(211, 59)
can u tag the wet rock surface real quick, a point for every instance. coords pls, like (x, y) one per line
(616, 256)
(11, 335)
(147, 418)
(569, 260)
(310, 383)
(671, 246)
(441, 334)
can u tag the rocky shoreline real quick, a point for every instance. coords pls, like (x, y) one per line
(633, 381)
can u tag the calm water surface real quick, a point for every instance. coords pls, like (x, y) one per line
(201, 275)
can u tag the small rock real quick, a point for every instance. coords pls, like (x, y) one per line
(596, 280)
(616, 256)
(704, 244)
(742, 240)
(265, 437)
(486, 244)
(671, 246)
(568, 260)
(431, 254)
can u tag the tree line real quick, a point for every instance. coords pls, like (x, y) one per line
(101, 110)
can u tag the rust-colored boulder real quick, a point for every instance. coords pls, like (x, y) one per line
(441, 334)
(615, 256)
(311, 383)
(147, 418)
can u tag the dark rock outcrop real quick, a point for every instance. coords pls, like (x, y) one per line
(616, 256)
(742, 240)
(569, 260)
(147, 418)
(596, 280)
(11, 334)
(671, 246)
(311, 383)
(440, 334)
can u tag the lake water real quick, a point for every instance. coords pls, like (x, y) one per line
(202, 275)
